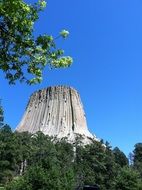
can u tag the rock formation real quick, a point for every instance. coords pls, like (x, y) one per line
(56, 111)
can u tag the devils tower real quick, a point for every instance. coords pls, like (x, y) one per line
(56, 111)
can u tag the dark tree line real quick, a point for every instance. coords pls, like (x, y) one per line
(39, 162)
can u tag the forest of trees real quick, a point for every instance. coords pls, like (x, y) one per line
(39, 162)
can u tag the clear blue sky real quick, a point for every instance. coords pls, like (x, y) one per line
(106, 44)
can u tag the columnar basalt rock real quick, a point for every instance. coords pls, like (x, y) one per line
(56, 111)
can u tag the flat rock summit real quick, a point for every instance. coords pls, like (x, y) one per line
(56, 111)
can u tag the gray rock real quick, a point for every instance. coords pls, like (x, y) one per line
(58, 112)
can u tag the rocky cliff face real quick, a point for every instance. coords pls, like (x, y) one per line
(56, 111)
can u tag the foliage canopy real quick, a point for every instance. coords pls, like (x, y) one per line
(33, 162)
(23, 56)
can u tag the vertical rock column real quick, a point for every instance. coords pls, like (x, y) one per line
(56, 111)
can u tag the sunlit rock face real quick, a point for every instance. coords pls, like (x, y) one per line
(56, 111)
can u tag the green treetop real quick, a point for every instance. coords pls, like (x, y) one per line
(22, 55)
